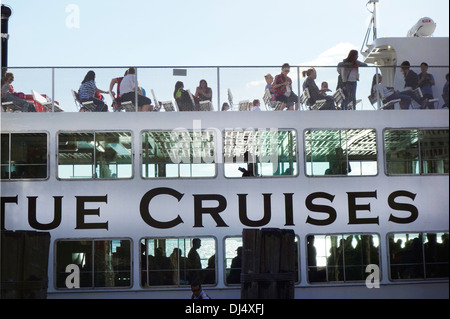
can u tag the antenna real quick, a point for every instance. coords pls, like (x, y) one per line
(372, 25)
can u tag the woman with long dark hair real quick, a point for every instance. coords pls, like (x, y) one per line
(89, 92)
(349, 72)
(203, 92)
(182, 97)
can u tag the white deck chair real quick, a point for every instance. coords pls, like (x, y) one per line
(230, 99)
(244, 105)
(43, 101)
(350, 105)
(266, 98)
(339, 97)
(89, 105)
(384, 106)
(303, 101)
(11, 107)
(128, 106)
(317, 105)
(271, 105)
(169, 106)
(78, 104)
(155, 100)
(418, 92)
(205, 106)
(192, 98)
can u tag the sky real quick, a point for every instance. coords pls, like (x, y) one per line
(196, 33)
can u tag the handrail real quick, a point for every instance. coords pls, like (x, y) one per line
(253, 88)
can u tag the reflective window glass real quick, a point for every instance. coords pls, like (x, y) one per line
(103, 155)
(416, 151)
(176, 154)
(263, 153)
(233, 260)
(341, 152)
(24, 156)
(418, 255)
(101, 263)
(341, 257)
(178, 261)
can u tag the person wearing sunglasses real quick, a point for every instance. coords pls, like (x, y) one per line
(282, 86)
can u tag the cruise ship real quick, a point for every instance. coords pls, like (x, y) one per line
(139, 204)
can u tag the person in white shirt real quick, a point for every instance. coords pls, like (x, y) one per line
(256, 105)
(127, 92)
(389, 94)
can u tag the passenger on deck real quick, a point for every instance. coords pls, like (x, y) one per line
(411, 83)
(127, 92)
(324, 88)
(182, 98)
(203, 92)
(117, 81)
(269, 80)
(89, 92)
(256, 105)
(389, 94)
(314, 91)
(349, 71)
(225, 107)
(426, 82)
(283, 89)
(445, 92)
(8, 94)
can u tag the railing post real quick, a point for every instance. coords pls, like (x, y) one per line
(218, 89)
(298, 88)
(136, 91)
(53, 89)
(378, 89)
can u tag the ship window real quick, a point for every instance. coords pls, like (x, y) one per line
(351, 152)
(416, 152)
(418, 255)
(178, 153)
(341, 257)
(177, 261)
(98, 263)
(233, 260)
(24, 155)
(263, 153)
(102, 155)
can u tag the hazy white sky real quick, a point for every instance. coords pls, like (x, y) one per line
(202, 32)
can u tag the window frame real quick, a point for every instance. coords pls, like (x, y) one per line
(295, 165)
(92, 240)
(344, 281)
(47, 166)
(423, 262)
(308, 162)
(94, 164)
(216, 150)
(178, 285)
(418, 129)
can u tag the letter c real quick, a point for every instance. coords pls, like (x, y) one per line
(145, 213)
